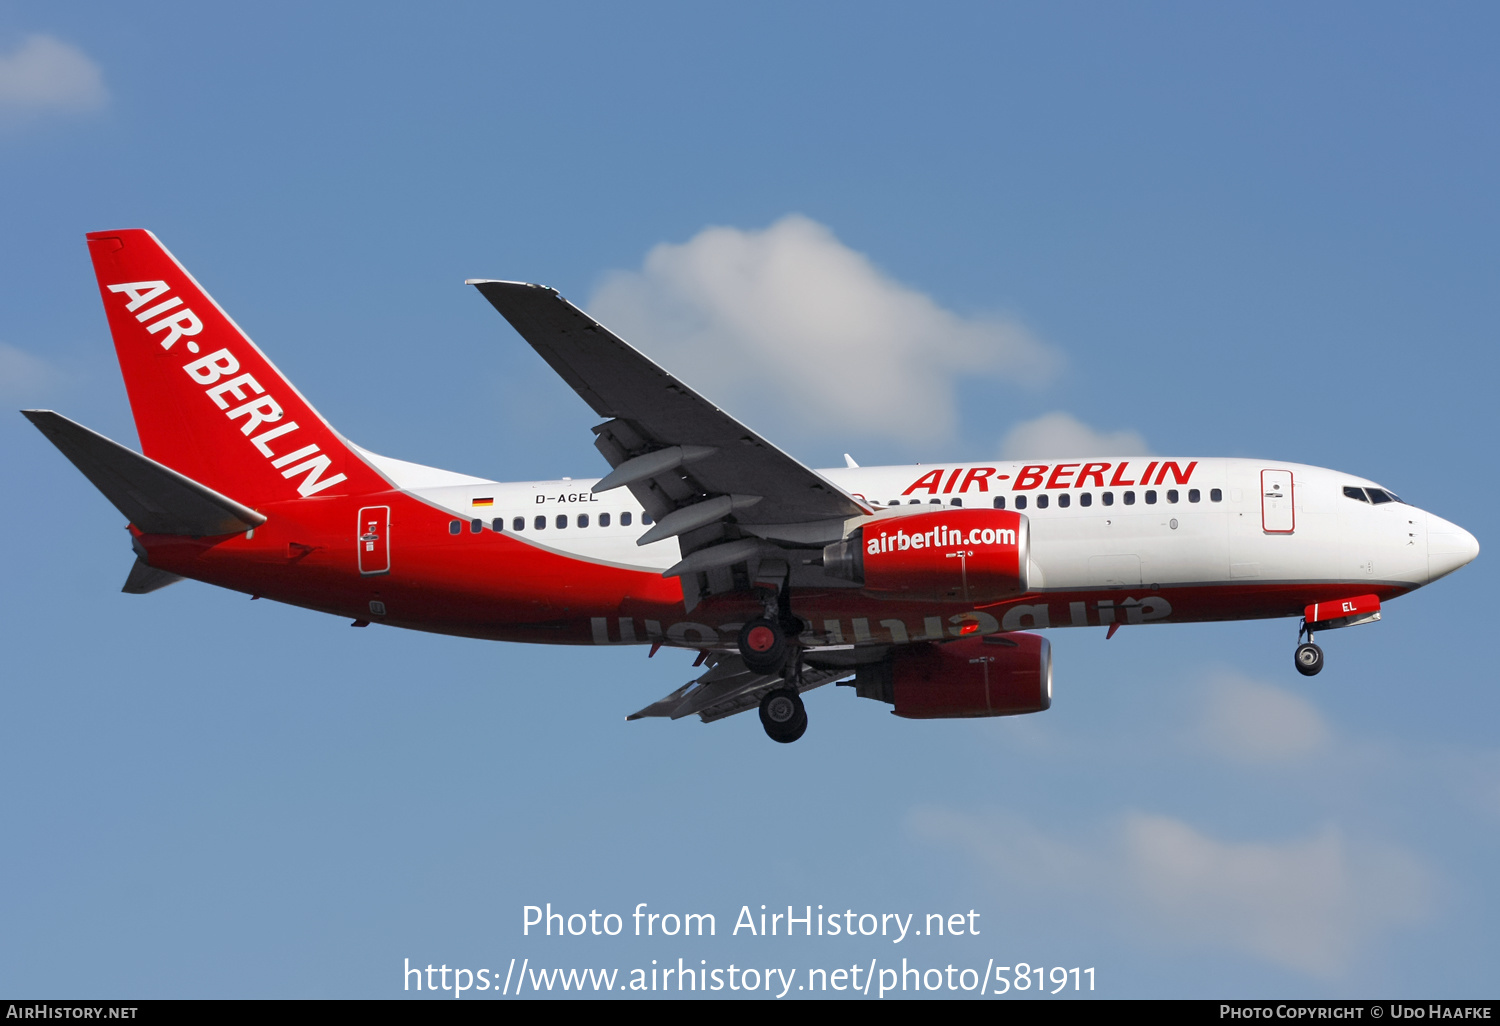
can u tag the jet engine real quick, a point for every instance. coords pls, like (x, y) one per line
(997, 675)
(946, 555)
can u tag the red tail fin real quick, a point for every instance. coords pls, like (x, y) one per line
(207, 402)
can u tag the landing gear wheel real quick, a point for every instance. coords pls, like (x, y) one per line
(1309, 659)
(763, 647)
(783, 715)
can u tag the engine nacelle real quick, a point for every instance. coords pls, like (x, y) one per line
(998, 675)
(946, 555)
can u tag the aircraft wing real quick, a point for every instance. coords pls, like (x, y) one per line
(729, 496)
(727, 687)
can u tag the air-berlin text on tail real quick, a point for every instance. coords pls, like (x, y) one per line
(176, 323)
(253, 404)
(942, 480)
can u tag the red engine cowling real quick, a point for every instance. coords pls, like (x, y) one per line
(947, 555)
(998, 675)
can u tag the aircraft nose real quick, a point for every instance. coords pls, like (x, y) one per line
(1448, 547)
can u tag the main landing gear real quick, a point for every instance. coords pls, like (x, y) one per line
(763, 646)
(1308, 657)
(768, 645)
(783, 715)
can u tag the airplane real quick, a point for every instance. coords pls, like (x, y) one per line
(921, 587)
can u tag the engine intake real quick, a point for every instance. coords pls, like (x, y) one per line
(948, 555)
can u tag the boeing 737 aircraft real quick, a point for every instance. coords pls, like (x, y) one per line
(919, 586)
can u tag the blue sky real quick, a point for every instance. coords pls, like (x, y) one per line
(1258, 231)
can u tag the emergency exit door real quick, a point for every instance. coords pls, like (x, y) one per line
(1278, 514)
(374, 540)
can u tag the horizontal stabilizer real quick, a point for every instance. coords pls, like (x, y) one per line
(145, 578)
(154, 498)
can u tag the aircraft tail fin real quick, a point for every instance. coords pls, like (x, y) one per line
(207, 402)
(154, 498)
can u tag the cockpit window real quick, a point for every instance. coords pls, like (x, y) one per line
(1376, 495)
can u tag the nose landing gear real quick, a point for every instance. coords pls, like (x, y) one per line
(1308, 657)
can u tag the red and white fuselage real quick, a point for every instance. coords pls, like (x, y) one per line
(550, 561)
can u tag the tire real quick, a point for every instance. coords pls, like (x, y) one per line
(783, 715)
(1309, 659)
(797, 730)
(762, 646)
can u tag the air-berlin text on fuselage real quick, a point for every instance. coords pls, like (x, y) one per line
(255, 406)
(1037, 614)
(939, 537)
(941, 480)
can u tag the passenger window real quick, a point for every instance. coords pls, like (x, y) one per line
(999, 502)
(1151, 497)
(518, 524)
(1086, 499)
(1020, 502)
(603, 519)
(645, 518)
(583, 520)
(625, 519)
(1216, 495)
(1130, 498)
(1194, 495)
(1355, 493)
(1042, 500)
(934, 502)
(1171, 494)
(455, 527)
(475, 526)
(540, 523)
(955, 502)
(894, 502)
(497, 525)
(562, 521)
(914, 502)
(1109, 498)
(1064, 500)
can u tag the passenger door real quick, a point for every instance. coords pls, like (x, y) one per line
(374, 540)
(1278, 514)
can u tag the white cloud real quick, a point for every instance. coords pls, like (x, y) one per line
(1250, 722)
(22, 375)
(47, 74)
(1061, 434)
(791, 319)
(1303, 904)
(1308, 904)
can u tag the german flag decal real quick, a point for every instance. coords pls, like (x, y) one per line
(483, 502)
